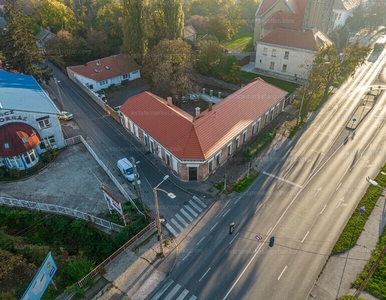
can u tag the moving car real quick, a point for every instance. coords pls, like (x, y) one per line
(65, 115)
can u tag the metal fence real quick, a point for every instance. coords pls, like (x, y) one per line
(100, 268)
(56, 209)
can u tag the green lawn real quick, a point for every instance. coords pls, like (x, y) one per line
(290, 87)
(243, 37)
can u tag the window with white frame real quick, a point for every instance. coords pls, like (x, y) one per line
(286, 55)
(218, 159)
(48, 142)
(167, 156)
(276, 109)
(103, 82)
(210, 165)
(244, 136)
(258, 125)
(253, 127)
(229, 149)
(125, 76)
(44, 122)
(272, 65)
(271, 116)
(146, 139)
(284, 69)
(265, 51)
(273, 52)
(30, 156)
(237, 142)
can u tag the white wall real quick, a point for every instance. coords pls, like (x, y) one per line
(297, 62)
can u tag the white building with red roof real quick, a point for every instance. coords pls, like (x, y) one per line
(288, 33)
(105, 72)
(195, 146)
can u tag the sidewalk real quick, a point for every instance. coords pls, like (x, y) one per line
(342, 269)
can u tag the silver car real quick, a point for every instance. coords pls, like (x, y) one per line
(65, 115)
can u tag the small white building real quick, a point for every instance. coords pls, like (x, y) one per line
(28, 121)
(289, 52)
(105, 72)
(342, 10)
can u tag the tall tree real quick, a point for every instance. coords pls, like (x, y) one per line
(135, 31)
(168, 69)
(209, 54)
(18, 45)
(170, 17)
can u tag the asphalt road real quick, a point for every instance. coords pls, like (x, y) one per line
(111, 142)
(304, 199)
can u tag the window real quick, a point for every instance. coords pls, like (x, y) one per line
(229, 149)
(266, 118)
(125, 76)
(167, 159)
(103, 82)
(210, 165)
(244, 136)
(44, 122)
(258, 125)
(277, 109)
(271, 115)
(29, 156)
(48, 142)
(6, 145)
(284, 68)
(265, 51)
(146, 139)
(272, 65)
(286, 55)
(273, 52)
(237, 142)
(253, 127)
(218, 157)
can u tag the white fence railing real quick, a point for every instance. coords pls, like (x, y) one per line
(53, 208)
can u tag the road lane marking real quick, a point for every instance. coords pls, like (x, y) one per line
(338, 186)
(199, 201)
(191, 211)
(323, 209)
(176, 224)
(237, 200)
(163, 289)
(234, 238)
(282, 179)
(171, 229)
(213, 226)
(195, 206)
(204, 275)
(183, 295)
(186, 215)
(226, 213)
(200, 241)
(258, 207)
(181, 220)
(281, 273)
(269, 231)
(317, 191)
(187, 255)
(305, 237)
(173, 292)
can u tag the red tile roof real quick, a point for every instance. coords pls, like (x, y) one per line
(282, 19)
(189, 137)
(12, 134)
(307, 39)
(107, 67)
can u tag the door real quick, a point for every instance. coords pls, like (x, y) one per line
(193, 173)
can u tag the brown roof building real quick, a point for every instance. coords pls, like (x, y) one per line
(194, 146)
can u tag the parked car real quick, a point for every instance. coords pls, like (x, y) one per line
(102, 96)
(65, 115)
(126, 169)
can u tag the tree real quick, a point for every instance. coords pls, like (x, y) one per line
(230, 70)
(109, 19)
(199, 23)
(97, 43)
(168, 69)
(64, 46)
(170, 18)
(220, 26)
(248, 9)
(19, 46)
(56, 16)
(209, 54)
(135, 31)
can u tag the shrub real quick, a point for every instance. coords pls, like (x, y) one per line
(14, 172)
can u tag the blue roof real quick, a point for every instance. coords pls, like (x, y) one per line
(23, 93)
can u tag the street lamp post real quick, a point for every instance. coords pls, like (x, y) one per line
(137, 182)
(158, 220)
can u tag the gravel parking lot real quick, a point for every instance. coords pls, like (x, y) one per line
(73, 180)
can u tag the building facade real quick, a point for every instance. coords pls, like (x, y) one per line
(105, 72)
(28, 122)
(195, 146)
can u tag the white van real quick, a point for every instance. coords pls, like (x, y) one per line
(126, 168)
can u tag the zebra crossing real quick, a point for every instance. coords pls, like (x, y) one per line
(186, 215)
(170, 290)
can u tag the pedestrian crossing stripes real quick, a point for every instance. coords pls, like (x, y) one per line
(170, 290)
(186, 215)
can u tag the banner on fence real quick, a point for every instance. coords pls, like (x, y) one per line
(113, 202)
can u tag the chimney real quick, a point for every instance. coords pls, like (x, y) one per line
(242, 85)
(219, 95)
(210, 105)
(170, 101)
(197, 111)
(203, 90)
(211, 93)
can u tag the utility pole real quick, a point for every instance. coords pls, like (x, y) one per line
(137, 182)
(60, 95)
